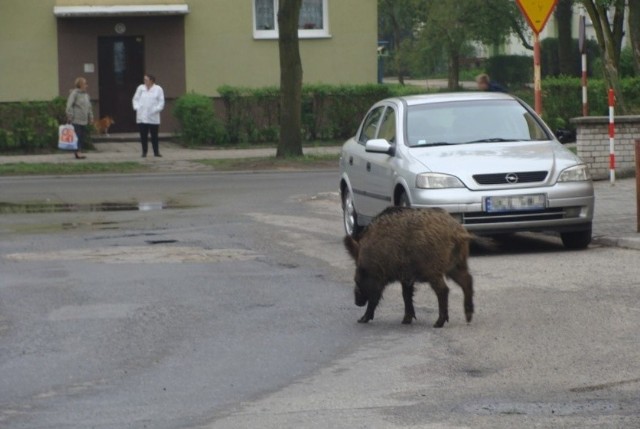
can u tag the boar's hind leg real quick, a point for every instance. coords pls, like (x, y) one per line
(407, 294)
(442, 291)
(461, 276)
(371, 308)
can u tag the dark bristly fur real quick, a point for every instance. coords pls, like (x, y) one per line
(411, 245)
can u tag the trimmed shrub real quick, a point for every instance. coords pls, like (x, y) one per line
(198, 125)
(510, 70)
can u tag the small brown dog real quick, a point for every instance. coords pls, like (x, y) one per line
(102, 125)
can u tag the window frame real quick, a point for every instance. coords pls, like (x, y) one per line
(273, 34)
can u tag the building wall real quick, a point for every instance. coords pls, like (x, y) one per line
(218, 43)
(221, 50)
(28, 50)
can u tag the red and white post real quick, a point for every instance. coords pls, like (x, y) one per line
(612, 129)
(583, 52)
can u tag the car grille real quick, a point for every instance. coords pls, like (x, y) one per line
(510, 178)
(477, 218)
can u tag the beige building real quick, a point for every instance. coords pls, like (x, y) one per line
(189, 45)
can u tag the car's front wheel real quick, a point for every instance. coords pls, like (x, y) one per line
(349, 215)
(403, 200)
(576, 240)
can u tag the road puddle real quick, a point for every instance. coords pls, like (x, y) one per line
(158, 254)
(50, 207)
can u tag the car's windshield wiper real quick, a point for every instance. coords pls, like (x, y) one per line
(434, 144)
(494, 139)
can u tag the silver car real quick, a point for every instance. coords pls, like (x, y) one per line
(485, 157)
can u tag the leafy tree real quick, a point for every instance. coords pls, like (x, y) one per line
(290, 143)
(454, 24)
(397, 20)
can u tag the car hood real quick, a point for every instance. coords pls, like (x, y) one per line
(466, 160)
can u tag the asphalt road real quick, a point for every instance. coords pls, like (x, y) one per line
(232, 307)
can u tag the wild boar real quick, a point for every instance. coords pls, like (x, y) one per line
(411, 245)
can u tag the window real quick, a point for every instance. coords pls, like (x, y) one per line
(370, 126)
(388, 126)
(313, 19)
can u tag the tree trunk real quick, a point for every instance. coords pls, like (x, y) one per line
(453, 79)
(290, 80)
(634, 32)
(563, 15)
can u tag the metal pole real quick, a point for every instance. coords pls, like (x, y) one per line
(537, 84)
(585, 104)
(637, 185)
(612, 153)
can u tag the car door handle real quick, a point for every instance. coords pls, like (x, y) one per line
(368, 166)
(350, 160)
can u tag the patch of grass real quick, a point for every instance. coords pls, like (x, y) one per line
(272, 163)
(29, 169)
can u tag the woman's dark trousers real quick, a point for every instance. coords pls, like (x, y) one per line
(145, 130)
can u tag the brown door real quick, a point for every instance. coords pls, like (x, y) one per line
(121, 68)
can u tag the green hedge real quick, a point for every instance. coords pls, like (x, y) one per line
(29, 127)
(562, 98)
(329, 112)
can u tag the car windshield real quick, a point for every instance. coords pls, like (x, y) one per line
(468, 122)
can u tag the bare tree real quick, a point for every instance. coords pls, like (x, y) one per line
(290, 143)
(609, 35)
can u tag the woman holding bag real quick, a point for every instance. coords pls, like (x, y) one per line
(80, 112)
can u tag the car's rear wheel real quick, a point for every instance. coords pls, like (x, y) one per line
(349, 215)
(576, 240)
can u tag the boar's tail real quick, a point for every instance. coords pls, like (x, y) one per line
(352, 246)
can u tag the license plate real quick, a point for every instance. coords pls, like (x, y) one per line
(514, 203)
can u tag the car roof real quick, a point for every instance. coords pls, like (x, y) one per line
(412, 100)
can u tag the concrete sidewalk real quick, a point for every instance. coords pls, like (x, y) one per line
(171, 152)
(615, 221)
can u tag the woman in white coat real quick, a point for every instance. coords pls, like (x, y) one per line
(148, 102)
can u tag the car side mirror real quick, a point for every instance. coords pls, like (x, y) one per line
(565, 136)
(380, 146)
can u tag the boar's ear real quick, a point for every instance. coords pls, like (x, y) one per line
(352, 246)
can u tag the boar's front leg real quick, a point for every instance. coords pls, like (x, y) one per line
(442, 291)
(371, 308)
(407, 295)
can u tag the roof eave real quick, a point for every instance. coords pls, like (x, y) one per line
(120, 10)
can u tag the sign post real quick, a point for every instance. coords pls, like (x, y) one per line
(537, 13)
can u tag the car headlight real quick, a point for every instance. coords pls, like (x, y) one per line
(578, 173)
(437, 181)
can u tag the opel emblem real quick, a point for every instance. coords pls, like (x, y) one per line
(511, 178)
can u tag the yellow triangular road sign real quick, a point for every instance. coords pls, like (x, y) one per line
(537, 12)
